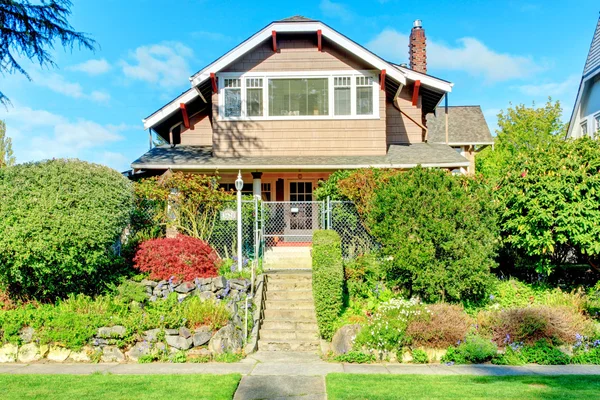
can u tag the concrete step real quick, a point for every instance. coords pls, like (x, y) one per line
(307, 325)
(288, 345)
(289, 305)
(286, 265)
(287, 295)
(277, 334)
(302, 286)
(289, 276)
(290, 315)
(288, 250)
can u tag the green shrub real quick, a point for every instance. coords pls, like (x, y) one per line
(228, 357)
(474, 350)
(363, 276)
(420, 357)
(60, 221)
(544, 353)
(438, 234)
(355, 357)
(328, 280)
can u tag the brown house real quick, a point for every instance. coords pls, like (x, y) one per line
(297, 101)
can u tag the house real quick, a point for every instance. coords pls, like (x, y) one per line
(585, 119)
(299, 100)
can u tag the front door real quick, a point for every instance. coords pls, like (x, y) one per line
(303, 212)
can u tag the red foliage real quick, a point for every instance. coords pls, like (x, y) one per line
(182, 257)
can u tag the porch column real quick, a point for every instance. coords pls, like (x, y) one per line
(256, 184)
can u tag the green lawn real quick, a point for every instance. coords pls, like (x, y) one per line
(115, 387)
(347, 386)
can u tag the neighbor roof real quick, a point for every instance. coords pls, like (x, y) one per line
(466, 126)
(593, 60)
(292, 24)
(398, 156)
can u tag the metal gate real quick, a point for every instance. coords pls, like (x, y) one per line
(291, 223)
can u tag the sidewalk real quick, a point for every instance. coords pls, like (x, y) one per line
(272, 375)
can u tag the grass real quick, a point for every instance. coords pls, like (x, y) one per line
(116, 387)
(350, 386)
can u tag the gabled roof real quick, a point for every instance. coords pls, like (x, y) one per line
(295, 24)
(590, 69)
(593, 60)
(466, 126)
(200, 158)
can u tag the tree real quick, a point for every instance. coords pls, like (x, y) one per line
(31, 30)
(6, 154)
(550, 204)
(521, 128)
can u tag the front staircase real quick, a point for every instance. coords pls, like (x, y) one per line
(289, 322)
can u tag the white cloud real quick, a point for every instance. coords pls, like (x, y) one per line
(40, 134)
(553, 89)
(58, 84)
(92, 67)
(469, 55)
(165, 64)
(336, 10)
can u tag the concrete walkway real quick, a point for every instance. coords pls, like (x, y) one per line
(278, 375)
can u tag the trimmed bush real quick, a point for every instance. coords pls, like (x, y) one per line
(444, 325)
(182, 258)
(60, 221)
(327, 280)
(474, 350)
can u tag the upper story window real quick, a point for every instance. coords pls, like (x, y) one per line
(597, 125)
(584, 128)
(296, 95)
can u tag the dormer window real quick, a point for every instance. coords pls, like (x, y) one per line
(298, 95)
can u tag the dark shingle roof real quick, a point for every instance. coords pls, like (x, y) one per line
(296, 18)
(466, 125)
(201, 158)
(593, 60)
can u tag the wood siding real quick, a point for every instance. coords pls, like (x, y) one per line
(200, 132)
(400, 129)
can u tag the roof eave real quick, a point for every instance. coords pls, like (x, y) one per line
(296, 167)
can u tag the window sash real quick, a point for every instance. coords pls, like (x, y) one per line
(298, 97)
(584, 130)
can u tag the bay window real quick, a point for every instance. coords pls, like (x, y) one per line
(297, 95)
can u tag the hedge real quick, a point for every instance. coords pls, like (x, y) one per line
(328, 280)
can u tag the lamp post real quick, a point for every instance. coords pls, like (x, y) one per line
(239, 184)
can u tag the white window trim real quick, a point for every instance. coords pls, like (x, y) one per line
(581, 125)
(596, 122)
(298, 74)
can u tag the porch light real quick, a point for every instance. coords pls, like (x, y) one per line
(239, 184)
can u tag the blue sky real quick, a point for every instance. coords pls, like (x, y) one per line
(91, 107)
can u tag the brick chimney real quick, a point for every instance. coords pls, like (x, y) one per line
(417, 52)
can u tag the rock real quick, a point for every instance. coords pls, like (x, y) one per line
(407, 357)
(182, 296)
(184, 332)
(138, 350)
(153, 298)
(232, 307)
(171, 332)
(26, 334)
(148, 283)
(112, 354)
(343, 340)
(219, 282)
(239, 284)
(8, 353)
(198, 352)
(99, 342)
(185, 287)
(112, 332)
(201, 338)
(160, 347)
(207, 295)
(29, 353)
(227, 340)
(151, 335)
(179, 342)
(220, 293)
(81, 356)
(58, 354)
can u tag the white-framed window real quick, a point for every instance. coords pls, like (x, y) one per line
(364, 95)
(597, 125)
(232, 97)
(584, 128)
(342, 95)
(299, 95)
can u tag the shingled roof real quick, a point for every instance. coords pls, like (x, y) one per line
(593, 60)
(466, 126)
(202, 158)
(297, 18)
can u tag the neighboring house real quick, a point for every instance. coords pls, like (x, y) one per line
(461, 127)
(297, 101)
(585, 120)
